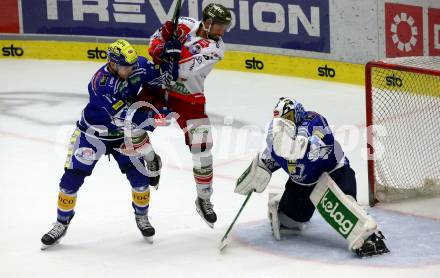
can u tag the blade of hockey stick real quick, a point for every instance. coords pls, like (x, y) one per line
(223, 242)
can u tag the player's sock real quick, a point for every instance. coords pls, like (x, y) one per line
(206, 210)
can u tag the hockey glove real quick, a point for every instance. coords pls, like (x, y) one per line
(167, 32)
(171, 51)
(153, 170)
(170, 73)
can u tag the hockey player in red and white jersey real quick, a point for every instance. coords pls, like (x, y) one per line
(198, 46)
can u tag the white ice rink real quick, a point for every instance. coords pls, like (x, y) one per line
(40, 102)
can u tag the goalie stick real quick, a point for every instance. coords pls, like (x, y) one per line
(223, 241)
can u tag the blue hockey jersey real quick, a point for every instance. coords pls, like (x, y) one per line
(109, 97)
(323, 154)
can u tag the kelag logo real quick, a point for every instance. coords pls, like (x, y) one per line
(254, 64)
(393, 81)
(326, 71)
(12, 51)
(96, 54)
(293, 24)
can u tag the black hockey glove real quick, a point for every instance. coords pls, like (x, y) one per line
(171, 51)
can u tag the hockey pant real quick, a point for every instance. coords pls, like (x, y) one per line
(189, 112)
(83, 153)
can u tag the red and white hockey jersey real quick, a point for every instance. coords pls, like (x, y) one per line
(199, 55)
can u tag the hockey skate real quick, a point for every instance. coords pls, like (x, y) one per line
(206, 211)
(373, 245)
(53, 237)
(145, 227)
(153, 171)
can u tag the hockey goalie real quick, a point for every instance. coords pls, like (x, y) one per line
(320, 178)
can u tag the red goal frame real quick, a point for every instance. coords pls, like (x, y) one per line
(369, 113)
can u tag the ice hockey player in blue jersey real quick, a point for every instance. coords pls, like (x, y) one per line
(320, 177)
(109, 126)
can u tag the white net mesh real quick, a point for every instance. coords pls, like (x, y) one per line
(406, 119)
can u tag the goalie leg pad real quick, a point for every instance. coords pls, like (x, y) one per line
(280, 223)
(272, 214)
(342, 212)
(290, 226)
(255, 178)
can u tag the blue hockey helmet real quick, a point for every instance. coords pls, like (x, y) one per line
(122, 53)
(289, 109)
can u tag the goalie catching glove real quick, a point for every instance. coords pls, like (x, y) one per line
(255, 178)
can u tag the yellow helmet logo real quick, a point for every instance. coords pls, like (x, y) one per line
(122, 52)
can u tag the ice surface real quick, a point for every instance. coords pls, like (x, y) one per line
(39, 104)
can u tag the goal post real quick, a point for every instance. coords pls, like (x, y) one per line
(403, 128)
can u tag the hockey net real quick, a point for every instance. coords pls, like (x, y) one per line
(403, 120)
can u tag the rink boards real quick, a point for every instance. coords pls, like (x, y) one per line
(234, 60)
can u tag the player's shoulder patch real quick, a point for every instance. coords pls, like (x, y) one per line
(315, 119)
(210, 50)
(187, 23)
(103, 80)
(310, 115)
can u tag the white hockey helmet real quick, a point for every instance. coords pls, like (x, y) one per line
(289, 109)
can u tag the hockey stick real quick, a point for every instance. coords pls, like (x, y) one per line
(223, 241)
(176, 15)
(175, 21)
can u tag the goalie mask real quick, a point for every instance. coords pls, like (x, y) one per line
(289, 109)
